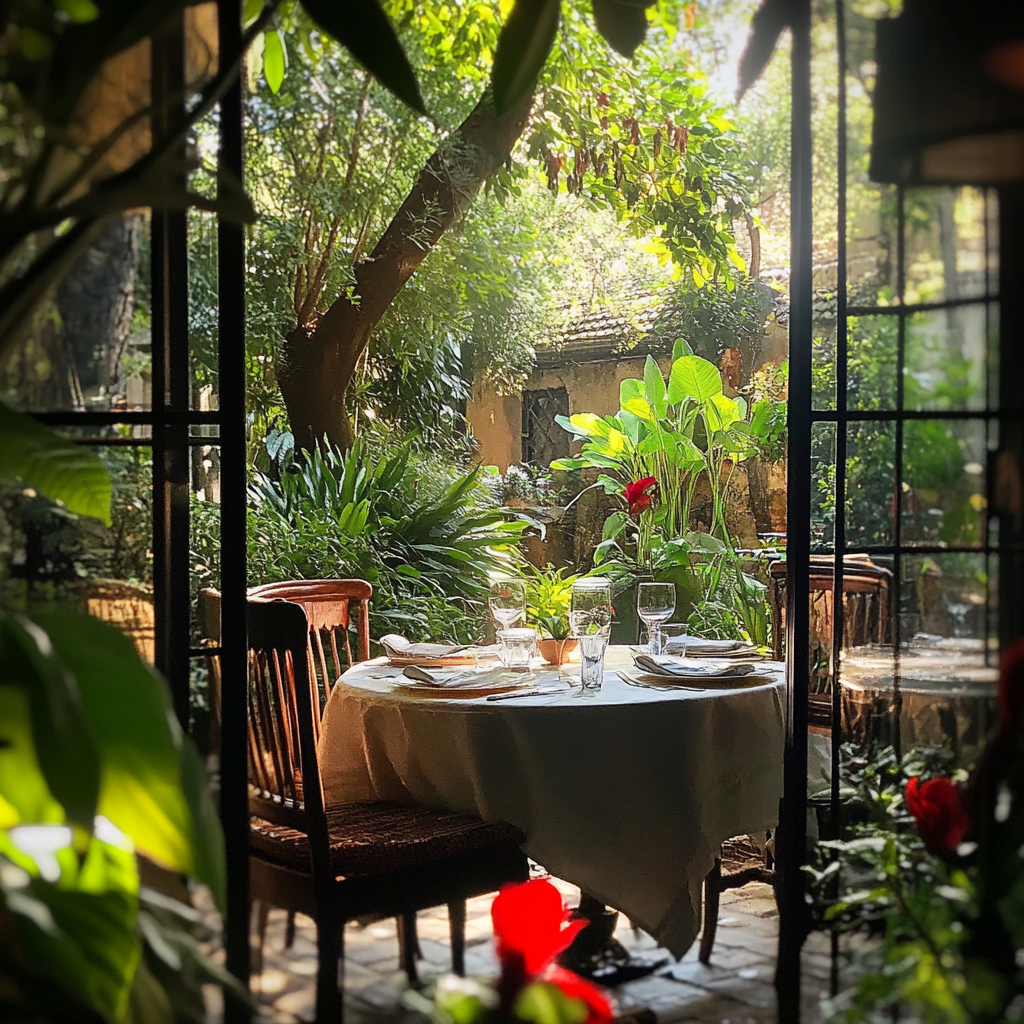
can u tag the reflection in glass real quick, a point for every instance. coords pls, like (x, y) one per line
(870, 482)
(944, 482)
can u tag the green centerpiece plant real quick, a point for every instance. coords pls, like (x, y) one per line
(671, 445)
(548, 597)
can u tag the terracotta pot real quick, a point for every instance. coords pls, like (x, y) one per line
(558, 652)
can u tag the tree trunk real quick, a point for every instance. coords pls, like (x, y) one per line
(320, 361)
(96, 301)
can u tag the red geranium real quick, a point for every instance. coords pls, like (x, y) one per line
(638, 495)
(938, 813)
(1011, 690)
(531, 927)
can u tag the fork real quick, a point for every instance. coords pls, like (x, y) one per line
(657, 686)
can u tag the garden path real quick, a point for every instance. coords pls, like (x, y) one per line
(737, 988)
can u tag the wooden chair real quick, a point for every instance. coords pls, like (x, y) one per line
(339, 863)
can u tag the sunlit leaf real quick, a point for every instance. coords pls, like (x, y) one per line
(275, 60)
(693, 377)
(62, 470)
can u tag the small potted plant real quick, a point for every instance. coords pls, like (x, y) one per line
(548, 596)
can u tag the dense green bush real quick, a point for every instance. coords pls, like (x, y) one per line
(423, 531)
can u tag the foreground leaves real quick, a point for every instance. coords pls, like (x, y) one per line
(63, 470)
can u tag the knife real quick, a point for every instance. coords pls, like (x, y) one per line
(527, 693)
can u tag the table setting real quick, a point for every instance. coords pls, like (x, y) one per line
(624, 786)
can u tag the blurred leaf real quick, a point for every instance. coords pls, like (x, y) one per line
(768, 22)
(364, 30)
(79, 11)
(523, 47)
(274, 60)
(24, 795)
(61, 732)
(149, 787)
(62, 470)
(623, 24)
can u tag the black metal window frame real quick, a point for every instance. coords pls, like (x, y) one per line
(1003, 412)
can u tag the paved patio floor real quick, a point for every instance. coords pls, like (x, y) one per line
(736, 988)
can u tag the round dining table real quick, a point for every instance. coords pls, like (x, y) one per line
(627, 792)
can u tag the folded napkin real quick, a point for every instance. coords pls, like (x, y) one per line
(401, 651)
(453, 679)
(670, 665)
(709, 648)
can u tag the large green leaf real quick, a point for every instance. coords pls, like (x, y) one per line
(523, 47)
(693, 377)
(721, 412)
(62, 734)
(25, 798)
(76, 940)
(275, 59)
(148, 787)
(654, 385)
(62, 470)
(364, 30)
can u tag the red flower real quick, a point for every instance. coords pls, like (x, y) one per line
(531, 927)
(1011, 690)
(638, 495)
(941, 819)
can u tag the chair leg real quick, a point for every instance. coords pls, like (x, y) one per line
(712, 892)
(262, 915)
(289, 930)
(457, 930)
(330, 976)
(408, 946)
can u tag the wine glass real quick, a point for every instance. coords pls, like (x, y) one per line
(655, 603)
(507, 601)
(590, 620)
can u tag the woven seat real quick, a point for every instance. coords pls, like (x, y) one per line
(378, 838)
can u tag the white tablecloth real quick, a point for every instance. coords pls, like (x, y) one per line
(628, 793)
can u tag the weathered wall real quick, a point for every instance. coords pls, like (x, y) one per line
(497, 420)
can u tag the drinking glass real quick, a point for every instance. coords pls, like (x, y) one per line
(655, 603)
(516, 647)
(590, 620)
(507, 601)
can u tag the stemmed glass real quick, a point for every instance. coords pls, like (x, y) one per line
(590, 620)
(655, 603)
(507, 601)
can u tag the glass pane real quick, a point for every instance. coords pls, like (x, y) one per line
(823, 366)
(872, 342)
(202, 309)
(946, 255)
(823, 487)
(870, 483)
(57, 556)
(89, 346)
(946, 353)
(871, 248)
(944, 482)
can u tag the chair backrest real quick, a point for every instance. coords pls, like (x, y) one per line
(328, 605)
(284, 773)
(281, 710)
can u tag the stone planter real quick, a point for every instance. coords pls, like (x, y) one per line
(558, 652)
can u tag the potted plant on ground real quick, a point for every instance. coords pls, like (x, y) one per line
(548, 596)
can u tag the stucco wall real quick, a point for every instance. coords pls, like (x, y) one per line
(497, 420)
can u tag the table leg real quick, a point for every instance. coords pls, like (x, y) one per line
(596, 954)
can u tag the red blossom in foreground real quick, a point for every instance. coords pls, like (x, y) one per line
(938, 813)
(1011, 690)
(638, 495)
(531, 927)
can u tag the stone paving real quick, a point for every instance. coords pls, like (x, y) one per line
(737, 988)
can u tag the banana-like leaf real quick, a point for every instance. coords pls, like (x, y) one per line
(523, 47)
(364, 30)
(62, 470)
(693, 377)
